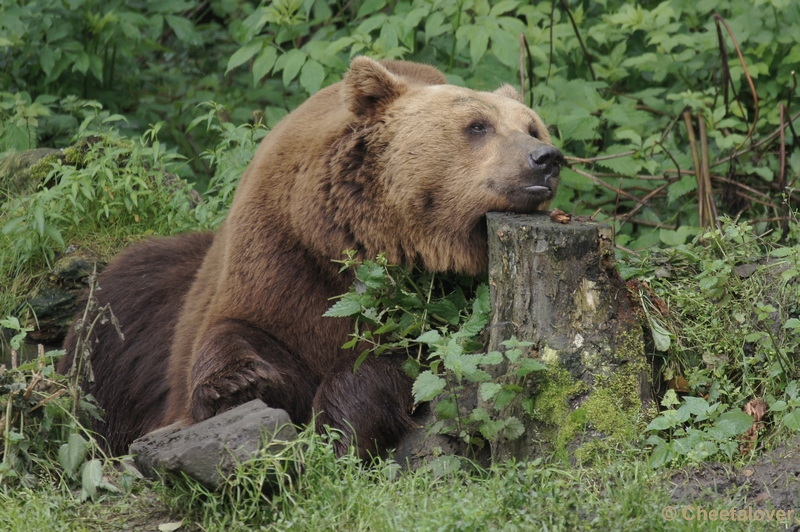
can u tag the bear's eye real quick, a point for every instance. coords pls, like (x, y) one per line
(477, 128)
(533, 132)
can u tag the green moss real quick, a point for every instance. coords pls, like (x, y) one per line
(39, 171)
(73, 155)
(611, 407)
(551, 405)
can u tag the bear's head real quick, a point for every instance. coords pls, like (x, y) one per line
(421, 162)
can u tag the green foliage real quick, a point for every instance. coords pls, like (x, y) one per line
(104, 180)
(42, 430)
(115, 188)
(436, 321)
(730, 331)
(698, 431)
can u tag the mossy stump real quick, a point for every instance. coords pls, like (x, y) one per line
(557, 285)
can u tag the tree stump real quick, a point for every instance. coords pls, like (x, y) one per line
(556, 285)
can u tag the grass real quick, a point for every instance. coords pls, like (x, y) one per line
(345, 495)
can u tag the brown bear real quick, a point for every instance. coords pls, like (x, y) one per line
(390, 160)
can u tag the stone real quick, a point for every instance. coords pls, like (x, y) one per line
(210, 450)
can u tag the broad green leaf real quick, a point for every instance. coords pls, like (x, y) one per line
(504, 397)
(72, 454)
(687, 183)
(696, 406)
(46, 59)
(792, 323)
(349, 305)
(513, 429)
(625, 165)
(578, 125)
(444, 309)
(778, 406)
(661, 337)
(370, 6)
(427, 386)
(731, 424)
(446, 409)
(478, 43)
(294, 62)
(792, 420)
(489, 390)
(244, 54)
(91, 478)
(528, 365)
(429, 337)
(677, 237)
(12, 225)
(506, 48)
(38, 219)
(263, 63)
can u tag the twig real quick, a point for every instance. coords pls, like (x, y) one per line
(782, 173)
(740, 185)
(769, 138)
(627, 216)
(789, 108)
(626, 250)
(648, 223)
(709, 207)
(552, 21)
(755, 200)
(580, 40)
(46, 400)
(530, 69)
(599, 158)
(687, 118)
(752, 128)
(522, 65)
(659, 142)
(606, 185)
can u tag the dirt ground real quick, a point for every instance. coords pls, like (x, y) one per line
(770, 482)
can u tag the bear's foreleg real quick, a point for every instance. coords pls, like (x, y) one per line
(371, 407)
(238, 362)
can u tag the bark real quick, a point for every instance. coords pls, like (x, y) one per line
(556, 285)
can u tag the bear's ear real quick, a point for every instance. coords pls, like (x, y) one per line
(509, 92)
(370, 88)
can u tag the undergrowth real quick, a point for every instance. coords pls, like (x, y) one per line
(724, 315)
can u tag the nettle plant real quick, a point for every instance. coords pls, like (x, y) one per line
(437, 321)
(729, 331)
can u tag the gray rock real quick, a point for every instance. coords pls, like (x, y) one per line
(210, 450)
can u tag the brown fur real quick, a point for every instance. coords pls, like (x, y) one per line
(389, 160)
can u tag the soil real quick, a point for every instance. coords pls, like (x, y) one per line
(772, 481)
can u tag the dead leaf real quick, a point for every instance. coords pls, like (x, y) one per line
(170, 527)
(560, 216)
(757, 408)
(679, 384)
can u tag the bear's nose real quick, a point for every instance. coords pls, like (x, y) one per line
(544, 158)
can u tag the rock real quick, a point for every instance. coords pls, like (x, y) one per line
(210, 450)
(57, 299)
(15, 171)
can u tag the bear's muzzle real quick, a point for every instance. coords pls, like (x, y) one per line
(546, 162)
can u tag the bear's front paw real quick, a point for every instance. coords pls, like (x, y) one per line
(231, 386)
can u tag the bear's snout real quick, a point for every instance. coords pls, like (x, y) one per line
(546, 162)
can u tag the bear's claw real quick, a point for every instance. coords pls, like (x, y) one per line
(241, 382)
